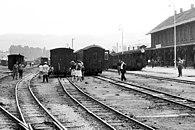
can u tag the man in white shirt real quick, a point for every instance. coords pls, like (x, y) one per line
(45, 70)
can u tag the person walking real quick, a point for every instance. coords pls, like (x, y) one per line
(180, 67)
(73, 70)
(45, 72)
(15, 70)
(82, 70)
(40, 70)
(123, 71)
(78, 71)
(119, 67)
(20, 70)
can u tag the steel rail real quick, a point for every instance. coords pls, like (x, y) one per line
(56, 122)
(112, 109)
(19, 122)
(159, 77)
(182, 101)
(17, 102)
(83, 105)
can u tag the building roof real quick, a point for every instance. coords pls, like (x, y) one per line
(180, 18)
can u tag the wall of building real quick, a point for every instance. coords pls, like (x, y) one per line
(185, 34)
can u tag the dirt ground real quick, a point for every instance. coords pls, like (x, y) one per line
(161, 116)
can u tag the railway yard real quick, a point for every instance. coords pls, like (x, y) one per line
(148, 100)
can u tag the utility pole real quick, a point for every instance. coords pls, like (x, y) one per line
(117, 47)
(72, 42)
(121, 29)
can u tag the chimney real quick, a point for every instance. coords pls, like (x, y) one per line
(192, 6)
(181, 10)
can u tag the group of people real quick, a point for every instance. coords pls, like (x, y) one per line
(45, 70)
(122, 69)
(77, 70)
(18, 68)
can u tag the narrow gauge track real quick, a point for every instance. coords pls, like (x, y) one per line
(9, 121)
(63, 107)
(32, 112)
(184, 102)
(159, 78)
(111, 117)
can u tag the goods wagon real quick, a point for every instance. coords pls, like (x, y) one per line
(3, 62)
(134, 59)
(44, 59)
(13, 58)
(41, 60)
(60, 59)
(94, 58)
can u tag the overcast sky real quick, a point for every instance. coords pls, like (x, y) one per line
(87, 17)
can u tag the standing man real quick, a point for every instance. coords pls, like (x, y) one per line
(20, 70)
(123, 71)
(180, 67)
(45, 70)
(15, 70)
(40, 70)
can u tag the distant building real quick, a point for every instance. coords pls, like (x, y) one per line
(162, 37)
(163, 34)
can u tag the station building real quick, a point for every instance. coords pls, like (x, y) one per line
(162, 39)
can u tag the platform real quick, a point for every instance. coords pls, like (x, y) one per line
(188, 73)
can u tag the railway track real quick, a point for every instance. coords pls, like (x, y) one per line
(9, 121)
(32, 112)
(184, 102)
(66, 110)
(159, 78)
(111, 117)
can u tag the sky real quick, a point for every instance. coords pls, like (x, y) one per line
(99, 18)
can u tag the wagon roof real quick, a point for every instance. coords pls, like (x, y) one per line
(126, 52)
(88, 47)
(15, 55)
(61, 48)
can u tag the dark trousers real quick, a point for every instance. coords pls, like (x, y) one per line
(20, 73)
(180, 72)
(45, 77)
(123, 76)
(15, 74)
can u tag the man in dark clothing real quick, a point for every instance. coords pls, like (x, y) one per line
(119, 66)
(180, 67)
(20, 70)
(123, 71)
(15, 70)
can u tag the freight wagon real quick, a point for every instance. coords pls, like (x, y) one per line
(60, 59)
(13, 58)
(94, 58)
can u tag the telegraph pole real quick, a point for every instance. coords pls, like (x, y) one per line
(72, 42)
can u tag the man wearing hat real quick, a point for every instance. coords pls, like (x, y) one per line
(45, 70)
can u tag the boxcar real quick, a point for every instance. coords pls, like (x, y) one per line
(4, 62)
(13, 58)
(135, 59)
(94, 58)
(44, 59)
(60, 59)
